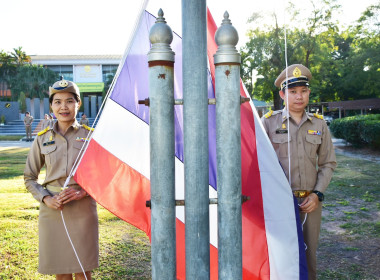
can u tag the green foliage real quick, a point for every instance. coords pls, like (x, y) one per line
(22, 77)
(2, 119)
(22, 102)
(358, 130)
(33, 80)
(344, 63)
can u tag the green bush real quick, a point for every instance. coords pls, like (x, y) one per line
(358, 130)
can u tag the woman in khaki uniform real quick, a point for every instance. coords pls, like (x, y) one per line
(57, 147)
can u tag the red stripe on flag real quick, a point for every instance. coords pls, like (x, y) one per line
(120, 189)
(254, 233)
(181, 255)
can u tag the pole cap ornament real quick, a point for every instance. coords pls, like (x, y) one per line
(160, 36)
(226, 37)
(298, 75)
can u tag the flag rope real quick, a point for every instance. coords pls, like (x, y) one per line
(287, 114)
(287, 103)
(72, 245)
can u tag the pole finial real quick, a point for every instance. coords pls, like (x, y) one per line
(226, 37)
(161, 36)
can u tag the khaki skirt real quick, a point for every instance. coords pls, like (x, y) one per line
(56, 255)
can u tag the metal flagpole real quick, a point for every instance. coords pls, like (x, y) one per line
(162, 175)
(195, 118)
(228, 151)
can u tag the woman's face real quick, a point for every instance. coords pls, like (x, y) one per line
(65, 107)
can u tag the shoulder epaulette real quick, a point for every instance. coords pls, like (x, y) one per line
(87, 127)
(318, 116)
(43, 131)
(267, 115)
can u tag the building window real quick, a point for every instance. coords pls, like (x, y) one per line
(63, 70)
(109, 72)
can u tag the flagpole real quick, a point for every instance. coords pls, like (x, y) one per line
(162, 153)
(196, 154)
(228, 150)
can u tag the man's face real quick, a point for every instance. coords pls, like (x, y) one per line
(296, 98)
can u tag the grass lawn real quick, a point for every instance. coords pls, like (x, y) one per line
(349, 241)
(124, 250)
(10, 137)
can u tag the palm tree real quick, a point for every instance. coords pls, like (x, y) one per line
(20, 56)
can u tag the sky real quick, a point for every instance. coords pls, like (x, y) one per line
(51, 27)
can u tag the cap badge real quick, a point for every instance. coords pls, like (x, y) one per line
(296, 72)
(63, 83)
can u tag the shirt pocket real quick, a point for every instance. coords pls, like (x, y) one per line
(312, 144)
(280, 144)
(78, 144)
(49, 154)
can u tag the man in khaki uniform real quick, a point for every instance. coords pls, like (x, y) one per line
(304, 148)
(28, 126)
(84, 120)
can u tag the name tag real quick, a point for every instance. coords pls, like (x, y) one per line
(281, 131)
(314, 132)
(48, 143)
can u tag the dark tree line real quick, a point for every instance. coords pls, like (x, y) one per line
(345, 63)
(22, 78)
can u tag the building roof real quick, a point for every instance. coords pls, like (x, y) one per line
(371, 103)
(75, 59)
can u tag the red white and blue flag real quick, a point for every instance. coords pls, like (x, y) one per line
(115, 168)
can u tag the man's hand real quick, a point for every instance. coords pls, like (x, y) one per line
(310, 203)
(70, 194)
(52, 202)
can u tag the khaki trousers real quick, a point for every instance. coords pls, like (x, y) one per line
(28, 130)
(311, 230)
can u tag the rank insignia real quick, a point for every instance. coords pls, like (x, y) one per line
(81, 139)
(314, 132)
(48, 143)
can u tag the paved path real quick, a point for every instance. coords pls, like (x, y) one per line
(339, 145)
(340, 148)
(15, 144)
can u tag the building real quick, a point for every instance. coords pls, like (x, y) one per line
(90, 72)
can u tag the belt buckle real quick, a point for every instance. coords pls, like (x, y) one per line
(301, 194)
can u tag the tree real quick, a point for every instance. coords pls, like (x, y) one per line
(20, 57)
(33, 80)
(18, 74)
(265, 51)
(360, 59)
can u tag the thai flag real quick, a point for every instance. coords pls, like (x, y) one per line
(115, 168)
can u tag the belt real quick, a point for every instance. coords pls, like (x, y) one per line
(53, 188)
(301, 193)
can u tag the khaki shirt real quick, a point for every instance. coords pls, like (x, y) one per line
(312, 155)
(28, 120)
(58, 153)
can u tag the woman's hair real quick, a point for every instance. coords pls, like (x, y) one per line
(75, 96)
